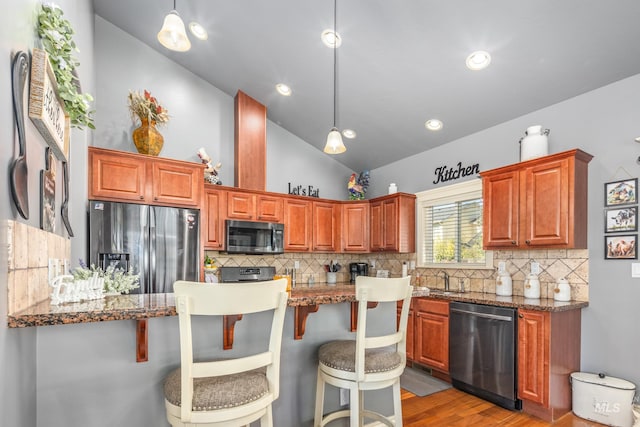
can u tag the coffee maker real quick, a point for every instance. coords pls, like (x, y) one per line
(358, 269)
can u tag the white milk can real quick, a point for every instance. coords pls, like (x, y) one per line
(535, 143)
(504, 285)
(562, 291)
(532, 286)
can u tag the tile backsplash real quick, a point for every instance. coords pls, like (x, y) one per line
(572, 264)
(29, 250)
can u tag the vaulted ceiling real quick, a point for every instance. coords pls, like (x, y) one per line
(400, 63)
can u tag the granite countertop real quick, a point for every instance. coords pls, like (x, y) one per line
(143, 306)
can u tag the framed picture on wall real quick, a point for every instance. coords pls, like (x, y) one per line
(621, 192)
(621, 246)
(617, 220)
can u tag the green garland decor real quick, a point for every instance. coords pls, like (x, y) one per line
(57, 39)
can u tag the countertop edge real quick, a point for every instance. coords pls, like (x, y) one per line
(146, 306)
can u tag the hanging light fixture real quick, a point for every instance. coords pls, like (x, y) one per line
(334, 139)
(173, 35)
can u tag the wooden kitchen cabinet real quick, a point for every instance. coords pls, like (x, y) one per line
(213, 218)
(128, 177)
(393, 220)
(410, 328)
(431, 339)
(241, 206)
(269, 208)
(326, 226)
(540, 203)
(548, 352)
(298, 223)
(355, 227)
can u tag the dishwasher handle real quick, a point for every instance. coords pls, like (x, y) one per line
(483, 315)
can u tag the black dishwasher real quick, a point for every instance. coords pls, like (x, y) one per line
(482, 352)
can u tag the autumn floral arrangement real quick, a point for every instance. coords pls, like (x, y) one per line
(146, 107)
(116, 280)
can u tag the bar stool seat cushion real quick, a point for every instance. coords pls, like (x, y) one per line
(212, 393)
(342, 355)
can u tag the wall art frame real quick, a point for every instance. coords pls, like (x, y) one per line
(622, 192)
(622, 219)
(46, 108)
(621, 246)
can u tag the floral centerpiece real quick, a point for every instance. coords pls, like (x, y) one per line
(147, 107)
(116, 280)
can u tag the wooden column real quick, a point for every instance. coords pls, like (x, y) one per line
(250, 147)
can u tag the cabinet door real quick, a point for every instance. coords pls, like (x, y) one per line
(268, 208)
(547, 204)
(533, 356)
(116, 176)
(410, 328)
(297, 230)
(355, 227)
(241, 205)
(213, 219)
(500, 195)
(390, 225)
(377, 224)
(431, 346)
(326, 226)
(176, 184)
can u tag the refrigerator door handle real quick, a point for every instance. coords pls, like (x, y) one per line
(152, 251)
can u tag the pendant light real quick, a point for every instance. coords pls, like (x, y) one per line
(334, 139)
(173, 35)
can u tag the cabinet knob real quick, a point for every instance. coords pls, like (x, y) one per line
(141, 197)
(521, 316)
(528, 242)
(155, 198)
(513, 242)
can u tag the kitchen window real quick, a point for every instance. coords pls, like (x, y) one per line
(450, 227)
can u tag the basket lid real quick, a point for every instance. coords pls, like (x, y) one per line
(603, 380)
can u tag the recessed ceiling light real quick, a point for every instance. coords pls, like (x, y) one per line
(331, 39)
(478, 60)
(283, 89)
(198, 31)
(433, 124)
(349, 133)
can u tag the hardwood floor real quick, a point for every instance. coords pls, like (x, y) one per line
(454, 408)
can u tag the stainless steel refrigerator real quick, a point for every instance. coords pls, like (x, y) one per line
(162, 244)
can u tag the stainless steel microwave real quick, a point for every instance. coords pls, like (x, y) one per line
(252, 237)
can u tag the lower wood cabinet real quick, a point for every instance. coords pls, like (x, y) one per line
(431, 322)
(548, 352)
(410, 328)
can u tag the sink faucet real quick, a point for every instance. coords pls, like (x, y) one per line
(445, 275)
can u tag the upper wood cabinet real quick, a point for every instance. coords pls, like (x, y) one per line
(269, 208)
(355, 227)
(213, 219)
(129, 177)
(297, 230)
(326, 226)
(393, 221)
(241, 206)
(540, 203)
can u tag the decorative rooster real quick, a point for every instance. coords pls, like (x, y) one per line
(358, 185)
(210, 171)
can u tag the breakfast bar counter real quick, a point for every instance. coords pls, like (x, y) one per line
(144, 306)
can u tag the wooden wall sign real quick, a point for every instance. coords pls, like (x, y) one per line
(46, 108)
